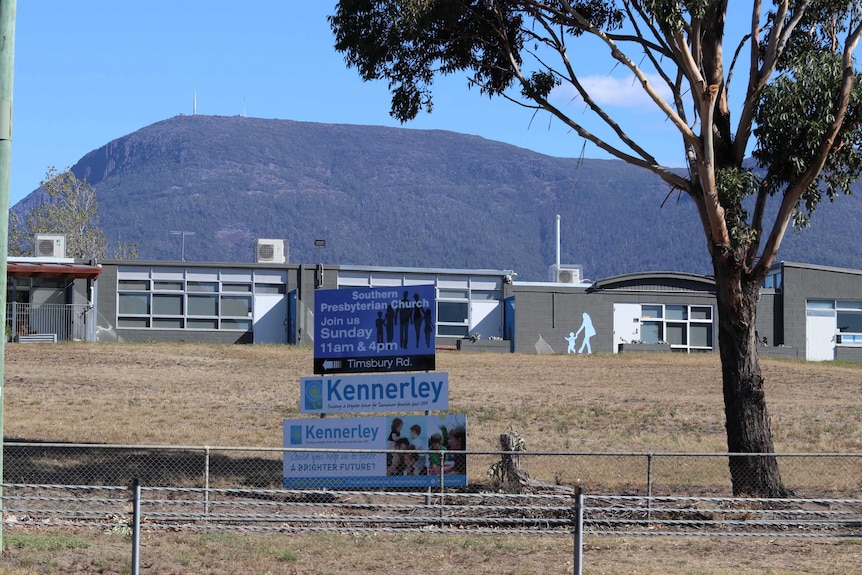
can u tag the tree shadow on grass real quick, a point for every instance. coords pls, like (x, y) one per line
(31, 463)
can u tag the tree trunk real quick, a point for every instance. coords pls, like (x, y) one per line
(746, 417)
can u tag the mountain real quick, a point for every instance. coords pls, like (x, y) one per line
(400, 197)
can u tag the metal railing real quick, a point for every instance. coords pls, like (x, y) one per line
(69, 322)
(208, 488)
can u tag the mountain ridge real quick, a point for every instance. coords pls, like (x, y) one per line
(399, 197)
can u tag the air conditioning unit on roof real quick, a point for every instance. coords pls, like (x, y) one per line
(268, 251)
(565, 274)
(569, 275)
(50, 246)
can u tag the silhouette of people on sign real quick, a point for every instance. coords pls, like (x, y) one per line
(429, 327)
(417, 316)
(380, 323)
(589, 331)
(390, 323)
(571, 338)
(405, 312)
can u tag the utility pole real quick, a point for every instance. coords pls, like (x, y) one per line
(183, 243)
(7, 74)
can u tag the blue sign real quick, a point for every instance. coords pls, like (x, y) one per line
(360, 330)
(397, 451)
(374, 393)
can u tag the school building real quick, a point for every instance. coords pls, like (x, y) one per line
(804, 311)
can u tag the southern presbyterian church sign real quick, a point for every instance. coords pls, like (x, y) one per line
(360, 330)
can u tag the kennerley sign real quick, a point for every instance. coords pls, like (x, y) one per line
(375, 393)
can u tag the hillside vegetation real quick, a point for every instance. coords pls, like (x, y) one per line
(401, 197)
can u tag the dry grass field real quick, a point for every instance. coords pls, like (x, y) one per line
(195, 395)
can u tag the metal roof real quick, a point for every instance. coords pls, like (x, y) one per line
(657, 281)
(52, 270)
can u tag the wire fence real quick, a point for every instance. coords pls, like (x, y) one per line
(222, 489)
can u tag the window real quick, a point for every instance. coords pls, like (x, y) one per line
(448, 311)
(848, 318)
(168, 286)
(650, 311)
(204, 305)
(196, 286)
(676, 312)
(652, 331)
(676, 333)
(700, 335)
(134, 304)
(699, 312)
(463, 302)
(133, 285)
(236, 306)
(849, 321)
(192, 298)
(687, 328)
(773, 280)
(167, 304)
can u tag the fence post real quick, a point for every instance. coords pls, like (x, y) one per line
(136, 526)
(206, 483)
(442, 457)
(649, 488)
(578, 544)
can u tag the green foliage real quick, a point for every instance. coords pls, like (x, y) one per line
(793, 116)
(497, 471)
(540, 85)
(71, 209)
(20, 240)
(121, 526)
(408, 42)
(126, 251)
(734, 185)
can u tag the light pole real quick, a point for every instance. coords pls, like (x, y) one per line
(319, 244)
(183, 243)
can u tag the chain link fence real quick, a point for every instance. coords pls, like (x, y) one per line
(219, 488)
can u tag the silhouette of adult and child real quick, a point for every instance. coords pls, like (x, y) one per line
(589, 332)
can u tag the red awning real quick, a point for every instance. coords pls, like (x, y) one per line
(52, 270)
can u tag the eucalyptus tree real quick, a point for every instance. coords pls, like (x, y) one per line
(783, 91)
(71, 208)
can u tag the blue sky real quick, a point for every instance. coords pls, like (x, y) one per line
(90, 71)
